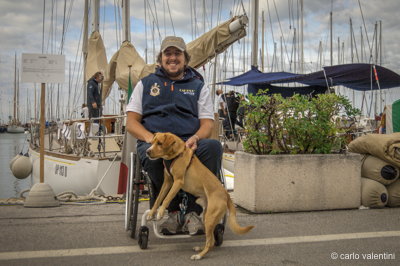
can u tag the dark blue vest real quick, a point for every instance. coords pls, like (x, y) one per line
(171, 106)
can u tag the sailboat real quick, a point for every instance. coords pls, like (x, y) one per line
(14, 125)
(85, 163)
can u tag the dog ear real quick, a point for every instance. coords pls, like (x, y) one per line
(168, 140)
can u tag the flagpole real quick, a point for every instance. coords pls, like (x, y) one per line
(130, 89)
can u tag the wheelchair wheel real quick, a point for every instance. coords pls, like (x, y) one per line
(137, 180)
(143, 238)
(219, 234)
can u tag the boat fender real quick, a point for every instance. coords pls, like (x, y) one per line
(22, 167)
(14, 159)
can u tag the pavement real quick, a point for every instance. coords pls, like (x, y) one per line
(96, 235)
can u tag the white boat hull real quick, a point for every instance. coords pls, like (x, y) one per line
(15, 129)
(79, 175)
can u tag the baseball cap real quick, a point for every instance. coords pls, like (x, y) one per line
(174, 41)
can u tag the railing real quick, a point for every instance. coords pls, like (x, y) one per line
(75, 136)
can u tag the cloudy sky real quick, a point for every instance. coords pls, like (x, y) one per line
(22, 24)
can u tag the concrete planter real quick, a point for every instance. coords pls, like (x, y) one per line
(282, 183)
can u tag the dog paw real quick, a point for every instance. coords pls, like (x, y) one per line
(149, 217)
(160, 213)
(196, 257)
(197, 249)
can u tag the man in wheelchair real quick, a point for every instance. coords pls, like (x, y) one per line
(174, 99)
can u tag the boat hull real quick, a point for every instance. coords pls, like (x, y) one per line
(76, 174)
(15, 129)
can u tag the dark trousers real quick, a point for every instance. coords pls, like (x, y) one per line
(94, 113)
(209, 152)
(229, 125)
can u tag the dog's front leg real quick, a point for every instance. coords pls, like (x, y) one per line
(176, 186)
(163, 192)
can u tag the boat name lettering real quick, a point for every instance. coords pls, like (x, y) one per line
(61, 170)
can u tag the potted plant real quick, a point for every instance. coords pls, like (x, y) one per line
(294, 155)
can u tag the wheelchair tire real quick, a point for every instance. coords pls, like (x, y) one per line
(135, 199)
(219, 234)
(143, 238)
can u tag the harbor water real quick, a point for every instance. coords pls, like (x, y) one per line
(10, 146)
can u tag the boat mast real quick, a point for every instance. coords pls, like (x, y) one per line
(254, 47)
(330, 21)
(126, 25)
(301, 39)
(15, 90)
(85, 47)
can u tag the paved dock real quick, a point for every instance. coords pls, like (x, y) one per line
(95, 235)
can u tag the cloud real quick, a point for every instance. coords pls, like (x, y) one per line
(22, 24)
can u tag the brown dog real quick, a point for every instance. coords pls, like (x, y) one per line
(188, 173)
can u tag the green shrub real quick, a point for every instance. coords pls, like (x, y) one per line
(295, 125)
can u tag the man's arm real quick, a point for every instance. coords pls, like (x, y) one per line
(136, 129)
(205, 130)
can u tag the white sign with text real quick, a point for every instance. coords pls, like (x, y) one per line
(43, 68)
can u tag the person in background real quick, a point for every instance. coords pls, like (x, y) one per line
(94, 101)
(240, 112)
(94, 95)
(174, 99)
(85, 111)
(221, 103)
(232, 104)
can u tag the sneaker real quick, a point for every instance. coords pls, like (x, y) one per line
(171, 225)
(193, 224)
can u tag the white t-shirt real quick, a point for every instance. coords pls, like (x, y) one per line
(204, 104)
(221, 100)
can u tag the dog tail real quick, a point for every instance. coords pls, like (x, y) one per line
(233, 225)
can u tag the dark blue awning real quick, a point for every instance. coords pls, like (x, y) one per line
(354, 76)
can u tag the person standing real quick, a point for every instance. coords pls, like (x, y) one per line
(85, 111)
(94, 95)
(174, 99)
(221, 103)
(232, 104)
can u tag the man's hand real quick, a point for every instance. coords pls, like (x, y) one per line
(94, 105)
(191, 143)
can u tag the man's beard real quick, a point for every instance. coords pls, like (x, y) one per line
(174, 74)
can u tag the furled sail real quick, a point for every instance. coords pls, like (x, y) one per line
(216, 41)
(96, 57)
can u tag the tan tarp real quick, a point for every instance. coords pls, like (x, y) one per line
(201, 51)
(384, 146)
(213, 42)
(394, 194)
(373, 194)
(379, 170)
(96, 57)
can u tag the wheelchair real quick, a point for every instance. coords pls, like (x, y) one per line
(139, 185)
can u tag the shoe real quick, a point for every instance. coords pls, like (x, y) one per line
(193, 224)
(171, 225)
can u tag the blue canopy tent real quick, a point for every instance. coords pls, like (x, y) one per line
(355, 76)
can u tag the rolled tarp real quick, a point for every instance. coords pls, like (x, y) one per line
(118, 68)
(384, 146)
(373, 194)
(394, 194)
(379, 170)
(96, 57)
(216, 41)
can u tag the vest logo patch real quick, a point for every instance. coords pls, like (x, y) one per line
(155, 90)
